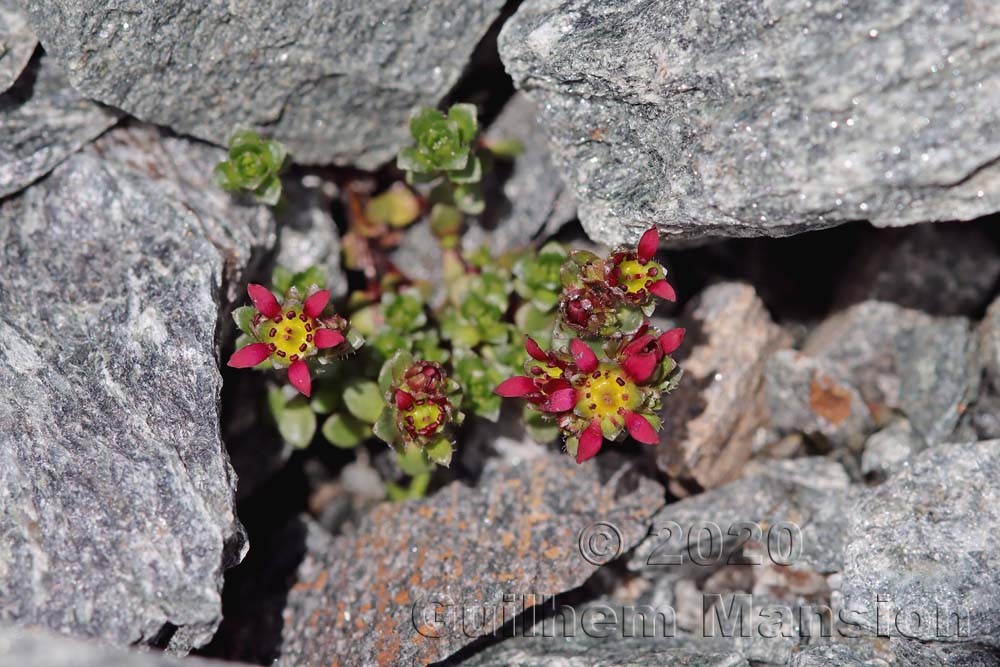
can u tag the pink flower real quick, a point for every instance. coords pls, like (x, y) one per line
(635, 275)
(289, 333)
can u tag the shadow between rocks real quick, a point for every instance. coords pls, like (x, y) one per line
(256, 591)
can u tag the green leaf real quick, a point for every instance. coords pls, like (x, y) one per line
(630, 319)
(473, 172)
(412, 461)
(505, 149)
(469, 198)
(281, 279)
(364, 400)
(345, 431)
(396, 207)
(440, 451)
(243, 139)
(242, 317)
(303, 280)
(422, 119)
(325, 399)
(384, 427)
(225, 176)
(445, 220)
(270, 191)
(296, 422)
(464, 116)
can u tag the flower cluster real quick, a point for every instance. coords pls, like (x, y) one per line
(593, 397)
(422, 407)
(290, 333)
(253, 165)
(604, 298)
(609, 379)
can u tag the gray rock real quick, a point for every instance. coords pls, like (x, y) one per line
(922, 548)
(334, 80)
(888, 450)
(371, 597)
(711, 420)
(614, 652)
(808, 493)
(307, 234)
(43, 121)
(946, 269)
(726, 118)
(900, 359)
(894, 653)
(533, 200)
(117, 510)
(37, 648)
(806, 395)
(17, 43)
(989, 345)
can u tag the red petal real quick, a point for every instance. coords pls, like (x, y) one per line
(328, 338)
(249, 356)
(263, 300)
(648, 245)
(590, 442)
(639, 366)
(403, 400)
(316, 303)
(585, 358)
(561, 401)
(535, 350)
(298, 375)
(663, 289)
(515, 387)
(637, 345)
(672, 340)
(640, 429)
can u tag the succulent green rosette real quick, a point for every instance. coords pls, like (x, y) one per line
(254, 165)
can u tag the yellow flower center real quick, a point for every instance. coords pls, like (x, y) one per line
(290, 339)
(633, 275)
(423, 415)
(607, 393)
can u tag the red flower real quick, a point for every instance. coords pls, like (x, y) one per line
(635, 276)
(592, 397)
(547, 384)
(585, 309)
(288, 334)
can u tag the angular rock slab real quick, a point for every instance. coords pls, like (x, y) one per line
(710, 421)
(809, 493)
(728, 118)
(923, 545)
(901, 359)
(17, 43)
(806, 395)
(335, 80)
(371, 597)
(42, 122)
(117, 495)
(36, 648)
(560, 652)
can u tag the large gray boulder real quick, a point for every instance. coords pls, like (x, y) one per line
(735, 118)
(333, 79)
(17, 42)
(36, 648)
(117, 510)
(417, 581)
(43, 120)
(921, 559)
